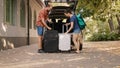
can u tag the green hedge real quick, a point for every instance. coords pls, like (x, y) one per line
(105, 37)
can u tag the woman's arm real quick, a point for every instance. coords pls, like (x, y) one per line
(71, 27)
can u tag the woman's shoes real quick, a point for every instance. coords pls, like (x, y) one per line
(77, 52)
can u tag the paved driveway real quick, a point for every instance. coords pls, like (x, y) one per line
(94, 55)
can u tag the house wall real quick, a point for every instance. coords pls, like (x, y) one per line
(12, 36)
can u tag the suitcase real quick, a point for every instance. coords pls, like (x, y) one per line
(64, 41)
(50, 41)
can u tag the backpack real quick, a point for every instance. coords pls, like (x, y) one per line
(81, 22)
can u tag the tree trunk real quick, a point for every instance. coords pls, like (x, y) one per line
(118, 19)
(110, 21)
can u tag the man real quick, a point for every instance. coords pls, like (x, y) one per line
(41, 23)
(76, 29)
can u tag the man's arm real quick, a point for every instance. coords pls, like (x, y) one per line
(43, 21)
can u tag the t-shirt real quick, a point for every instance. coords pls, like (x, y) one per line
(42, 14)
(75, 21)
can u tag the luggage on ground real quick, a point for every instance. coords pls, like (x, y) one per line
(64, 41)
(50, 41)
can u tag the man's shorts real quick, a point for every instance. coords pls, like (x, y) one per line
(40, 30)
(76, 31)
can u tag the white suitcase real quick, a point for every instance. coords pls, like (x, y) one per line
(64, 41)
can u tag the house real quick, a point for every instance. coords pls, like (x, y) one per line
(16, 29)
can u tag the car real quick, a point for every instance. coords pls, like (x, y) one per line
(59, 6)
(57, 13)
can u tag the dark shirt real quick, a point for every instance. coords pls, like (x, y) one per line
(75, 22)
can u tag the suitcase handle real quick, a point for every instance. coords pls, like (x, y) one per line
(63, 26)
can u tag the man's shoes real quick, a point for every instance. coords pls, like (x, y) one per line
(40, 51)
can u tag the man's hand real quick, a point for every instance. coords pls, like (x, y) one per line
(49, 28)
(49, 21)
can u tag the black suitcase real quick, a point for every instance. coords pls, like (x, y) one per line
(50, 41)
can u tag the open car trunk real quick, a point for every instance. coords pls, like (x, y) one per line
(57, 12)
(59, 6)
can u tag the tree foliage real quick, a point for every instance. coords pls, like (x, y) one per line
(100, 12)
(98, 8)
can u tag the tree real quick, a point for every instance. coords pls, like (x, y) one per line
(100, 10)
(118, 19)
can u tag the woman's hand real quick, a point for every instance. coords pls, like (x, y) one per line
(67, 24)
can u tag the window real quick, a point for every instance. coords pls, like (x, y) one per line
(10, 8)
(34, 21)
(22, 14)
